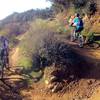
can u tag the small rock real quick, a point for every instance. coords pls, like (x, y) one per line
(35, 79)
(90, 82)
(57, 88)
(53, 79)
(41, 90)
(51, 86)
(46, 82)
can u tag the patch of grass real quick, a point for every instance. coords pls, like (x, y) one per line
(98, 42)
(3, 32)
(36, 74)
(30, 41)
(25, 62)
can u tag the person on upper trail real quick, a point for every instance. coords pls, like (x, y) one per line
(78, 25)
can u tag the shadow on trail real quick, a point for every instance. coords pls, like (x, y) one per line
(10, 87)
(11, 90)
(96, 38)
(8, 92)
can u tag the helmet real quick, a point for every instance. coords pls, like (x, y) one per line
(77, 14)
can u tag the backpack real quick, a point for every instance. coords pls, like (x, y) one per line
(81, 24)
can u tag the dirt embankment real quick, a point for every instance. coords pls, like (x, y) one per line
(85, 87)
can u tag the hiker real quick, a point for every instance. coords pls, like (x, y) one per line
(77, 23)
(4, 51)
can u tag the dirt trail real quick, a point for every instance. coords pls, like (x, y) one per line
(96, 94)
(86, 50)
(14, 54)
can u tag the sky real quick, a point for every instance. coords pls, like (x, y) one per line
(8, 7)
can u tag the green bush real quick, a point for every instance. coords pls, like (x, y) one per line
(90, 37)
(32, 39)
(25, 62)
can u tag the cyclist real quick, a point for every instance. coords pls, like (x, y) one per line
(77, 23)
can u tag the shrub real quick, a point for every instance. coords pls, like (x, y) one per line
(31, 40)
(90, 37)
(91, 8)
(53, 51)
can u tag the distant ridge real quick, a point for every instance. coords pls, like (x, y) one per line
(18, 23)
